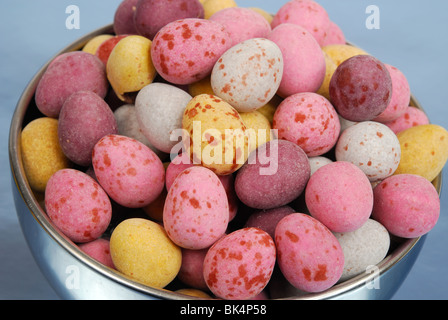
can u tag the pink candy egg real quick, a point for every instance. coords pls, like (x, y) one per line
(129, 171)
(407, 205)
(308, 254)
(310, 121)
(412, 117)
(185, 51)
(340, 196)
(239, 265)
(303, 59)
(191, 270)
(99, 249)
(77, 205)
(196, 211)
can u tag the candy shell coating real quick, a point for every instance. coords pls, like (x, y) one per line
(308, 254)
(341, 52)
(141, 250)
(92, 45)
(239, 265)
(412, 117)
(213, 6)
(191, 270)
(99, 249)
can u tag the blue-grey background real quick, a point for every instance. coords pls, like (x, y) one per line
(412, 37)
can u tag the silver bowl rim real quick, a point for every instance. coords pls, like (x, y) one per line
(28, 196)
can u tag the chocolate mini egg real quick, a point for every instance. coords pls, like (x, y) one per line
(248, 75)
(424, 150)
(214, 134)
(196, 211)
(185, 51)
(130, 66)
(159, 109)
(372, 147)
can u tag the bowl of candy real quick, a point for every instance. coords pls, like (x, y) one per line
(188, 151)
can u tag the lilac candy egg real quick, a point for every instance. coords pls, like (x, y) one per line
(77, 205)
(267, 220)
(185, 51)
(196, 211)
(130, 172)
(240, 265)
(308, 254)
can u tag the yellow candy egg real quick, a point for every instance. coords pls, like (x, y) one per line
(194, 293)
(214, 134)
(331, 66)
(92, 45)
(341, 52)
(130, 66)
(200, 87)
(142, 250)
(41, 152)
(424, 150)
(213, 6)
(258, 127)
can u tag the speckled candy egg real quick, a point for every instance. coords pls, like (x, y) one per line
(185, 51)
(372, 147)
(159, 109)
(317, 162)
(305, 13)
(308, 254)
(363, 248)
(304, 62)
(215, 134)
(341, 52)
(213, 6)
(273, 176)
(196, 211)
(424, 150)
(129, 171)
(310, 121)
(141, 249)
(334, 35)
(191, 270)
(239, 265)
(267, 220)
(242, 23)
(77, 205)
(412, 117)
(248, 75)
(259, 128)
(124, 17)
(130, 66)
(98, 249)
(340, 196)
(408, 205)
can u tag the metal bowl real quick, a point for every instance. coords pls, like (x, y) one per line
(75, 275)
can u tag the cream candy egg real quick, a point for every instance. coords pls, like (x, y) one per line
(159, 108)
(317, 162)
(372, 147)
(196, 211)
(248, 75)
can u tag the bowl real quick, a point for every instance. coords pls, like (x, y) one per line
(75, 275)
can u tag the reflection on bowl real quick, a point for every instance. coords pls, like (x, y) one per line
(74, 275)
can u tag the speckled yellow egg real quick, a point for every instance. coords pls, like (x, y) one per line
(214, 134)
(41, 152)
(130, 66)
(341, 52)
(258, 127)
(194, 293)
(331, 66)
(201, 87)
(265, 14)
(141, 250)
(213, 6)
(424, 150)
(269, 108)
(93, 44)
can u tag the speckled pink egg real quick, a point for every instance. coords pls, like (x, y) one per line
(308, 254)
(242, 23)
(239, 265)
(174, 168)
(191, 269)
(98, 249)
(412, 117)
(77, 205)
(303, 59)
(340, 196)
(185, 51)
(400, 99)
(273, 176)
(267, 220)
(196, 211)
(306, 13)
(334, 35)
(129, 171)
(309, 120)
(407, 205)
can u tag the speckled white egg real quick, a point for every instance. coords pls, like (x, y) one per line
(363, 248)
(317, 162)
(159, 108)
(372, 147)
(248, 75)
